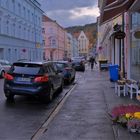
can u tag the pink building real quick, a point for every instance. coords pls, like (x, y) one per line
(54, 39)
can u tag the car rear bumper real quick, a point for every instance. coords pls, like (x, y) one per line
(26, 91)
(79, 68)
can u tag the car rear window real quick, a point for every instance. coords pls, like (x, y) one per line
(61, 66)
(31, 69)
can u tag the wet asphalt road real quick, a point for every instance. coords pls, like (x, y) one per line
(20, 120)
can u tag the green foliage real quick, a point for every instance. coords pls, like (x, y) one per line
(89, 29)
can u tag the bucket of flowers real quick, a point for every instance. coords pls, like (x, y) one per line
(128, 116)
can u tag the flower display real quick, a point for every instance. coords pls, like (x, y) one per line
(127, 115)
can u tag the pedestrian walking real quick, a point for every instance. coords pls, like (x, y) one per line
(92, 61)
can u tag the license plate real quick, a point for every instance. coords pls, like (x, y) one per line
(22, 79)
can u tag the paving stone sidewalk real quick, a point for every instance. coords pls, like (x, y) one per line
(84, 114)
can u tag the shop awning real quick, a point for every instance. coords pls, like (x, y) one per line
(114, 9)
(135, 7)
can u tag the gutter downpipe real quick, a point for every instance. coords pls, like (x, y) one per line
(123, 57)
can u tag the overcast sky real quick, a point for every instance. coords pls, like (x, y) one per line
(71, 12)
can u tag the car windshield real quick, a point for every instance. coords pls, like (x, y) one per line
(31, 69)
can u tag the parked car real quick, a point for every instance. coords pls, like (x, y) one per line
(32, 78)
(66, 69)
(4, 67)
(78, 63)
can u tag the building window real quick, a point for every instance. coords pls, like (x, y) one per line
(15, 54)
(39, 23)
(43, 30)
(29, 15)
(32, 17)
(33, 35)
(28, 34)
(13, 5)
(9, 55)
(13, 30)
(19, 9)
(35, 19)
(53, 42)
(7, 27)
(24, 33)
(19, 31)
(7, 4)
(24, 12)
(43, 41)
(0, 25)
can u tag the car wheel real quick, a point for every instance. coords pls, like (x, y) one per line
(61, 87)
(50, 96)
(73, 78)
(9, 97)
(69, 81)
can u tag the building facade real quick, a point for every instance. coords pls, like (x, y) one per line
(54, 38)
(20, 30)
(83, 44)
(71, 46)
(115, 18)
(133, 17)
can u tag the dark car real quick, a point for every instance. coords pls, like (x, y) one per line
(66, 69)
(78, 64)
(32, 78)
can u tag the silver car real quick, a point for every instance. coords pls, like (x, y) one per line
(4, 67)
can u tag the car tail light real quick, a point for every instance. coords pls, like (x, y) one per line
(41, 79)
(67, 68)
(82, 62)
(8, 76)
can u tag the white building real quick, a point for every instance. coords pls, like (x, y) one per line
(20, 30)
(83, 44)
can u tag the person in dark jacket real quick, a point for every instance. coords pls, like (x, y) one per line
(92, 61)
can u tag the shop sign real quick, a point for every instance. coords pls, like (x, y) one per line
(120, 35)
(137, 34)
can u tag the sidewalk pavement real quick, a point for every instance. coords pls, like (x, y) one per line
(84, 114)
